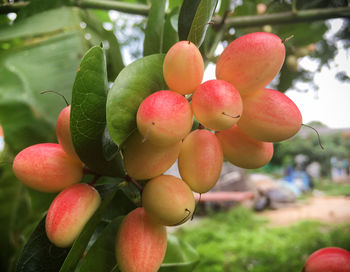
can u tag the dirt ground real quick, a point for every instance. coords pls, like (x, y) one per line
(324, 208)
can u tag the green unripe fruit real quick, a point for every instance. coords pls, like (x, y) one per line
(168, 200)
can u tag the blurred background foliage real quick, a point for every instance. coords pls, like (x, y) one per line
(42, 43)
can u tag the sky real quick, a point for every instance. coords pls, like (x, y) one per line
(331, 104)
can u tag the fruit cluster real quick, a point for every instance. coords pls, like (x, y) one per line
(50, 167)
(239, 119)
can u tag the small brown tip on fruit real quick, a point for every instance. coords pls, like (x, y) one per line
(318, 135)
(287, 39)
(184, 219)
(237, 116)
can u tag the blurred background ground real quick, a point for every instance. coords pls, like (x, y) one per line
(234, 236)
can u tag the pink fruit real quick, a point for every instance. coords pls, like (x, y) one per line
(270, 116)
(143, 160)
(242, 150)
(200, 160)
(217, 105)
(141, 243)
(63, 132)
(47, 168)
(69, 212)
(250, 62)
(164, 118)
(330, 259)
(183, 67)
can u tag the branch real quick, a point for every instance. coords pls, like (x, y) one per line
(285, 17)
(114, 5)
(139, 9)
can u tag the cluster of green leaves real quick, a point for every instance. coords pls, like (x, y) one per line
(40, 51)
(240, 240)
(43, 50)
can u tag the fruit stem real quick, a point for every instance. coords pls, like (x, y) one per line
(94, 180)
(134, 182)
(44, 92)
(288, 38)
(195, 208)
(318, 135)
(88, 171)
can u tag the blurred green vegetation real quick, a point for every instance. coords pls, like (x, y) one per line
(239, 240)
(332, 188)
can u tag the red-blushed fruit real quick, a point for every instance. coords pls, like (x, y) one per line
(69, 212)
(47, 168)
(270, 116)
(164, 118)
(63, 133)
(168, 200)
(329, 259)
(250, 62)
(183, 67)
(141, 243)
(143, 160)
(217, 105)
(200, 160)
(242, 150)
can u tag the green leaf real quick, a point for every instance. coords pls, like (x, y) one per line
(32, 64)
(19, 208)
(22, 126)
(95, 28)
(170, 36)
(154, 28)
(201, 21)
(52, 21)
(37, 6)
(80, 244)
(88, 114)
(39, 254)
(186, 16)
(179, 257)
(101, 255)
(134, 83)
